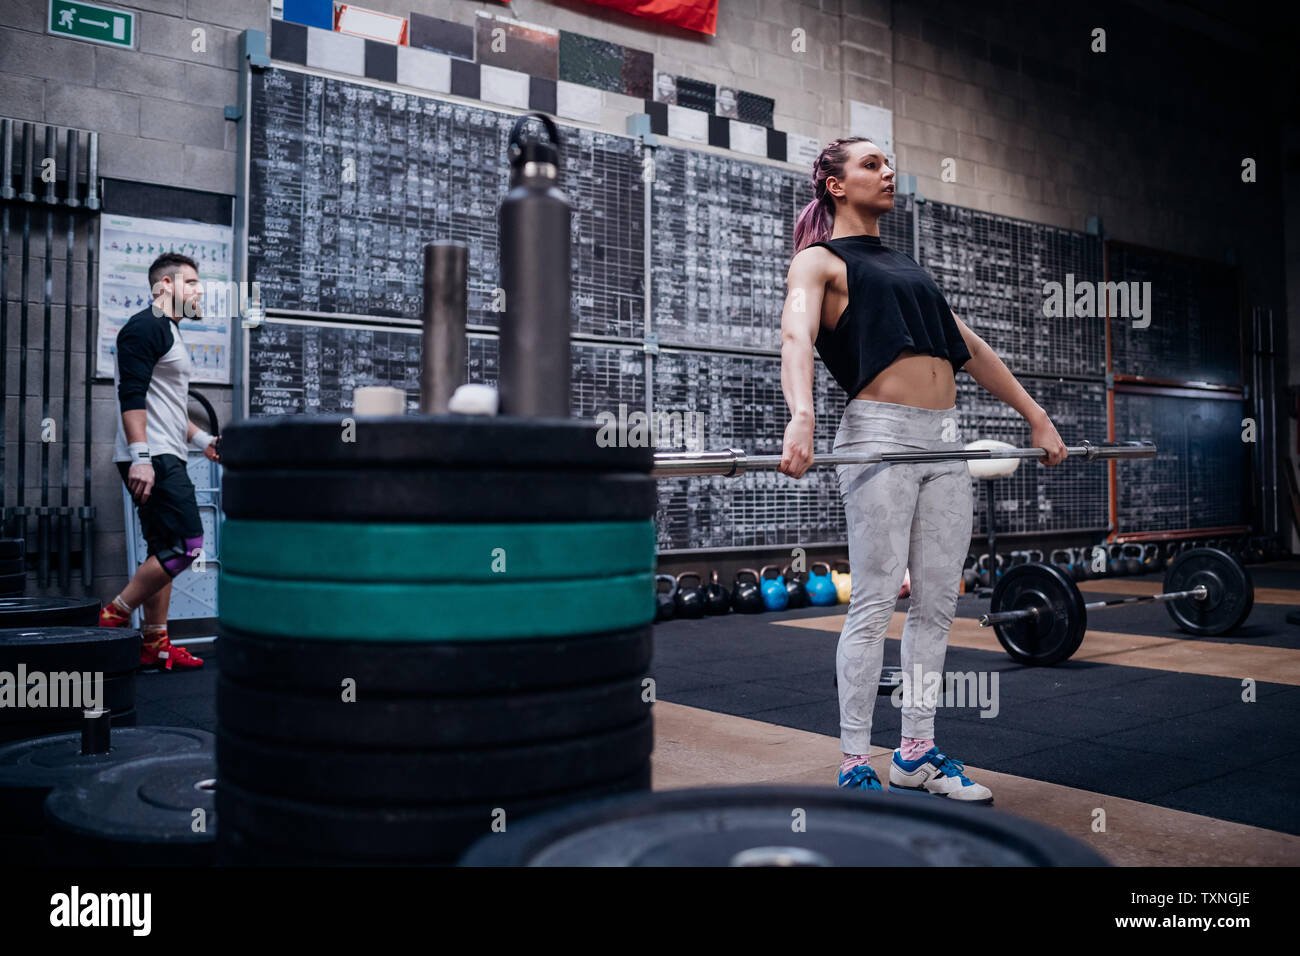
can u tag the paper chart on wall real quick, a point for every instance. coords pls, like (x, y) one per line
(129, 245)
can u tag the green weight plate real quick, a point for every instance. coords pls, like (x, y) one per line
(456, 441)
(430, 495)
(1230, 592)
(1057, 631)
(434, 612)
(496, 553)
(432, 668)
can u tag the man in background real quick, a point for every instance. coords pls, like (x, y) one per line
(152, 374)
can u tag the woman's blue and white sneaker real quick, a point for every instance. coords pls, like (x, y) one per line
(861, 777)
(935, 774)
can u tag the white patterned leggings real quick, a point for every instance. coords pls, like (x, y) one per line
(901, 517)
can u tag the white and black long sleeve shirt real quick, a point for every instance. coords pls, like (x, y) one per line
(152, 371)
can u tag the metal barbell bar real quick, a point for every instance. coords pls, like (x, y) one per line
(733, 462)
(1198, 593)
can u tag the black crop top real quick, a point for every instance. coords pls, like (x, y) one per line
(893, 305)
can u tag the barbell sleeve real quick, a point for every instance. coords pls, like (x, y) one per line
(733, 462)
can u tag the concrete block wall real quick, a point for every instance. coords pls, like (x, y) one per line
(1034, 124)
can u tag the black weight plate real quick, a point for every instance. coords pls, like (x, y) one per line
(116, 694)
(258, 829)
(13, 583)
(1230, 591)
(34, 611)
(435, 667)
(427, 495)
(11, 548)
(30, 769)
(712, 827)
(395, 778)
(139, 813)
(10, 732)
(1050, 637)
(416, 723)
(108, 650)
(12, 566)
(427, 441)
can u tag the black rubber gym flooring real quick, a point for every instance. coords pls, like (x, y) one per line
(1177, 740)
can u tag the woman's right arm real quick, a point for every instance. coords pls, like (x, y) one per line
(800, 321)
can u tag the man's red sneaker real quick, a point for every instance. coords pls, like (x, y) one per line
(111, 616)
(165, 656)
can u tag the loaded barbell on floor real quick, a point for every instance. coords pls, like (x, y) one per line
(1040, 617)
(733, 462)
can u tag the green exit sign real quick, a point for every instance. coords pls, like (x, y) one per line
(91, 22)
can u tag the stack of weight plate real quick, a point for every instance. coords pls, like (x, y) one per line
(13, 566)
(31, 769)
(431, 627)
(155, 811)
(60, 671)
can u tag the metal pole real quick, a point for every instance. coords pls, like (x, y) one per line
(443, 316)
(6, 194)
(28, 197)
(87, 511)
(65, 511)
(734, 462)
(43, 540)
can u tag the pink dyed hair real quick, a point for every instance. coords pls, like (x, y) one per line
(815, 222)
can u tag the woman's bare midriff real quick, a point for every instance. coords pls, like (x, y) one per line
(913, 378)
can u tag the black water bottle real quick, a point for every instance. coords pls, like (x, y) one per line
(535, 263)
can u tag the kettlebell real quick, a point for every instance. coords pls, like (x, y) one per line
(794, 588)
(1150, 557)
(969, 576)
(689, 601)
(1061, 558)
(843, 581)
(716, 598)
(775, 596)
(1086, 570)
(664, 608)
(1115, 563)
(821, 589)
(1133, 558)
(745, 595)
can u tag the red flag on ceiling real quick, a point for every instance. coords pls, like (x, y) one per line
(701, 15)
